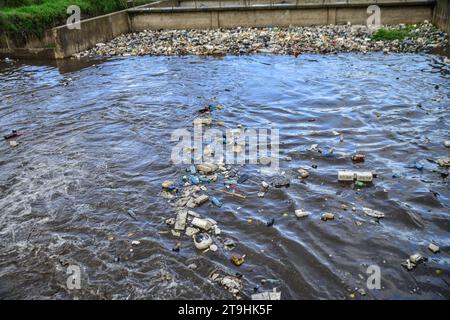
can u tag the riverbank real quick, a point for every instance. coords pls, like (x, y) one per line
(319, 39)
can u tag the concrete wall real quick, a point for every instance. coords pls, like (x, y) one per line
(223, 3)
(92, 31)
(441, 16)
(266, 16)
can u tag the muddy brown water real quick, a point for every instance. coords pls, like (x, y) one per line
(96, 144)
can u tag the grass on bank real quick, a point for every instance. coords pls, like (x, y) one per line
(392, 34)
(35, 16)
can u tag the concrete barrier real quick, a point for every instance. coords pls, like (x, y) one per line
(224, 3)
(92, 31)
(441, 15)
(282, 15)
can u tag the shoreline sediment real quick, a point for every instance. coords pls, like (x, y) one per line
(320, 39)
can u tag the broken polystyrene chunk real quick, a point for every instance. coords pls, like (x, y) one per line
(433, 248)
(201, 199)
(373, 213)
(202, 121)
(190, 231)
(327, 216)
(300, 213)
(202, 223)
(303, 173)
(416, 258)
(444, 162)
(180, 222)
(207, 167)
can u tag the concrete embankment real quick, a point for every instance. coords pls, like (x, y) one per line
(282, 15)
(441, 15)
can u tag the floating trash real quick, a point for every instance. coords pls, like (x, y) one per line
(202, 241)
(300, 213)
(13, 134)
(433, 248)
(358, 158)
(216, 202)
(303, 173)
(327, 216)
(238, 260)
(373, 213)
(267, 295)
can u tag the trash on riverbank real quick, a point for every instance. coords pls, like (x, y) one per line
(274, 40)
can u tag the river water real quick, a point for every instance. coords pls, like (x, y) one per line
(96, 144)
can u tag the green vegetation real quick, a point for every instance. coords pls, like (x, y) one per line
(392, 34)
(38, 15)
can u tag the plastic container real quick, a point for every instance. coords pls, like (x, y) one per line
(202, 241)
(364, 176)
(202, 223)
(346, 175)
(195, 180)
(216, 202)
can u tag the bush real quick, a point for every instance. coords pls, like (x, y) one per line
(38, 15)
(18, 3)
